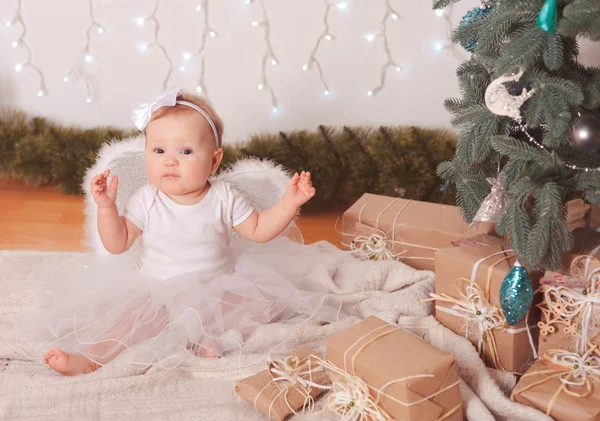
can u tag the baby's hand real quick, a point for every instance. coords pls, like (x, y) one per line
(299, 190)
(104, 195)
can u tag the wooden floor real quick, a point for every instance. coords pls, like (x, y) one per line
(43, 219)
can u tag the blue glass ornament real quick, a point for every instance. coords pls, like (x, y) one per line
(547, 18)
(472, 16)
(516, 294)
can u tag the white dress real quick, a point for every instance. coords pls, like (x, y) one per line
(190, 286)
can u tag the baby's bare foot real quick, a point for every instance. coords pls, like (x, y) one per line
(206, 350)
(69, 364)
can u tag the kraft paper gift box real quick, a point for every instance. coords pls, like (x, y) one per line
(422, 381)
(570, 303)
(547, 386)
(472, 309)
(278, 399)
(413, 230)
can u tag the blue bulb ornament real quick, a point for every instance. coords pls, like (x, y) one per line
(516, 294)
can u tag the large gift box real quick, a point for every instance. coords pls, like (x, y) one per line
(570, 304)
(410, 231)
(402, 376)
(287, 386)
(467, 301)
(563, 385)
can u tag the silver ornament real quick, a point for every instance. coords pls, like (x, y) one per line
(585, 132)
(500, 102)
(493, 205)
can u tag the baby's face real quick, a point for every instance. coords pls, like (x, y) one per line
(180, 153)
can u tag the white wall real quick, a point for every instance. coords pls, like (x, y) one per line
(121, 75)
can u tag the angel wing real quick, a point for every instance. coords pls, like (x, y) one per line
(262, 182)
(125, 159)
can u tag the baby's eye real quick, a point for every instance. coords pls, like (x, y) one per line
(186, 151)
(159, 150)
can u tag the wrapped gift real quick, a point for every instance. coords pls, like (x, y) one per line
(564, 385)
(594, 217)
(286, 386)
(570, 305)
(578, 214)
(408, 230)
(390, 374)
(467, 301)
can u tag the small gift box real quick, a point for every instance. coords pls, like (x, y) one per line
(570, 304)
(564, 385)
(387, 373)
(467, 301)
(407, 230)
(286, 386)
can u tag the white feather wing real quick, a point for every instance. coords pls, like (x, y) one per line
(125, 159)
(262, 182)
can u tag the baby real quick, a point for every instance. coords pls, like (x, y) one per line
(188, 290)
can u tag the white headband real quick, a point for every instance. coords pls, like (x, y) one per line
(143, 113)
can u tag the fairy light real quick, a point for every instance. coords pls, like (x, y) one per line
(206, 33)
(389, 13)
(342, 5)
(77, 71)
(448, 45)
(156, 43)
(269, 54)
(312, 58)
(20, 41)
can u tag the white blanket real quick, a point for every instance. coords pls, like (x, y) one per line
(203, 389)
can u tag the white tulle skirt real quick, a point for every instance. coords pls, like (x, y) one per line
(102, 307)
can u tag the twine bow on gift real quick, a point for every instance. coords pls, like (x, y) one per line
(374, 246)
(475, 307)
(572, 369)
(564, 305)
(294, 373)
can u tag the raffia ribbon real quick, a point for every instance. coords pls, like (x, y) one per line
(290, 373)
(568, 306)
(352, 398)
(572, 369)
(475, 307)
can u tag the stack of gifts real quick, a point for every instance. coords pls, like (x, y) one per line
(467, 301)
(373, 371)
(407, 230)
(565, 382)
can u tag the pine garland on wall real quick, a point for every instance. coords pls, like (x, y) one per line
(345, 162)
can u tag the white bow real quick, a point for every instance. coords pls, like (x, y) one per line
(143, 113)
(581, 366)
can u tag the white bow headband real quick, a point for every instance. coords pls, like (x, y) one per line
(143, 113)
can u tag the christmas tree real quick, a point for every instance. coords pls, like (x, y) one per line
(529, 121)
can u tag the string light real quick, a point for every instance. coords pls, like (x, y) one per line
(342, 5)
(448, 45)
(78, 70)
(207, 32)
(312, 59)
(18, 18)
(523, 128)
(156, 43)
(389, 13)
(268, 55)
